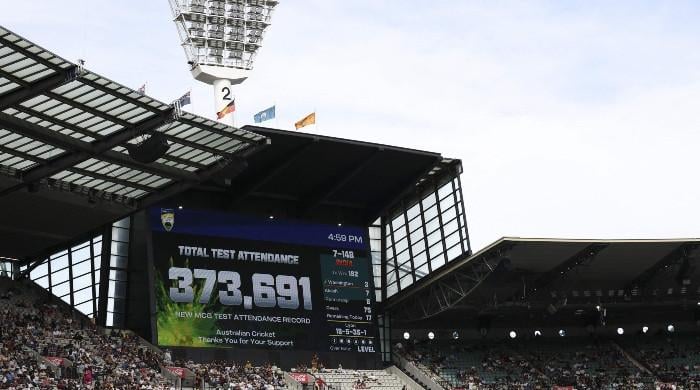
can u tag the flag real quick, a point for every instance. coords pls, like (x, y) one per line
(142, 90)
(184, 99)
(231, 107)
(265, 115)
(308, 120)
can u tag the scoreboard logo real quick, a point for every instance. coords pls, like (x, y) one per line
(167, 218)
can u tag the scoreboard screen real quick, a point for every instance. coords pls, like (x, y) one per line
(234, 281)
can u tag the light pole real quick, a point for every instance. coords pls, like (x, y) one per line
(221, 39)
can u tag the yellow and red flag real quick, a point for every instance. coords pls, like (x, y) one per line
(231, 107)
(307, 120)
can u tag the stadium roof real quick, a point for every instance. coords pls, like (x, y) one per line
(310, 174)
(539, 273)
(64, 164)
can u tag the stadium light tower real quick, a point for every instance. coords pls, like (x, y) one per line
(221, 39)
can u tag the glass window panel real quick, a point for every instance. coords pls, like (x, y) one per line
(387, 230)
(59, 276)
(81, 268)
(85, 308)
(376, 258)
(119, 234)
(430, 213)
(398, 222)
(448, 215)
(81, 254)
(66, 298)
(120, 248)
(82, 295)
(39, 271)
(454, 252)
(399, 234)
(418, 247)
(438, 262)
(110, 319)
(451, 227)
(401, 245)
(422, 271)
(374, 232)
(420, 259)
(375, 245)
(97, 248)
(118, 261)
(97, 277)
(391, 290)
(432, 225)
(415, 224)
(117, 289)
(403, 271)
(43, 282)
(82, 282)
(391, 276)
(406, 281)
(445, 190)
(435, 249)
(60, 289)
(451, 240)
(59, 263)
(416, 236)
(117, 275)
(124, 223)
(434, 237)
(403, 257)
(413, 212)
(428, 201)
(110, 304)
(447, 203)
(390, 252)
(376, 269)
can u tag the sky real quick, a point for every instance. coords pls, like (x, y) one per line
(573, 119)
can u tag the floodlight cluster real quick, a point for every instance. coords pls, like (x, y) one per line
(222, 32)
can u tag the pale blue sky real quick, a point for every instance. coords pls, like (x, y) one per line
(573, 119)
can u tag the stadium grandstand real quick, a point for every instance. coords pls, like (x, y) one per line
(144, 247)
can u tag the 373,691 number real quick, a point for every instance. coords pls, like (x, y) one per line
(281, 291)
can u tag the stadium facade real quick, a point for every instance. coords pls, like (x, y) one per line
(282, 245)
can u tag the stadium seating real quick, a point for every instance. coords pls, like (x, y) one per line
(360, 379)
(633, 362)
(46, 345)
(673, 358)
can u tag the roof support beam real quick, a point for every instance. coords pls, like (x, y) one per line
(321, 194)
(233, 167)
(275, 169)
(586, 255)
(677, 255)
(81, 151)
(125, 124)
(80, 171)
(30, 90)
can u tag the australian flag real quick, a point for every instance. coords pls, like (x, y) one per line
(265, 115)
(184, 99)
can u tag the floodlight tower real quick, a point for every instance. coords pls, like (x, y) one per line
(221, 39)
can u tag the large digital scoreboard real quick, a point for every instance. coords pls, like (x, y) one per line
(235, 281)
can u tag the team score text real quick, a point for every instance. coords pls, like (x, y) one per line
(345, 238)
(281, 291)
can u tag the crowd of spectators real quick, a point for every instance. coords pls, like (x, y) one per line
(226, 375)
(673, 358)
(46, 345)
